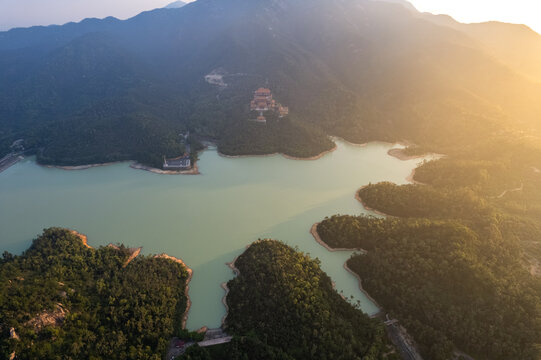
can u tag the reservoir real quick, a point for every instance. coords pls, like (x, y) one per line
(206, 220)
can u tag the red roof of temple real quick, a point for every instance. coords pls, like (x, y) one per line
(263, 91)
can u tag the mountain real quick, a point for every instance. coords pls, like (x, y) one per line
(175, 5)
(517, 46)
(359, 69)
(404, 3)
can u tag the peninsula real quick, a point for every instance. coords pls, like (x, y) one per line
(61, 293)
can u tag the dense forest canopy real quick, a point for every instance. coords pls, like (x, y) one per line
(64, 300)
(285, 299)
(458, 263)
(104, 90)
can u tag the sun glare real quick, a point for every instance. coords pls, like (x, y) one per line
(514, 11)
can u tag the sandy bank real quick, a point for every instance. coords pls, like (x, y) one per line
(186, 290)
(81, 167)
(83, 237)
(316, 236)
(338, 138)
(133, 165)
(193, 171)
(411, 178)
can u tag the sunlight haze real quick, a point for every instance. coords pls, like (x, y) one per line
(24, 13)
(516, 11)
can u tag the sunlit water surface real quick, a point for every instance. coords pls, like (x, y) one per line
(206, 220)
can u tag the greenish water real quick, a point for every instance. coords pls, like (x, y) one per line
(206, 220)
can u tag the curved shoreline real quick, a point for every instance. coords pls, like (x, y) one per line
(334, 137)
(359, 199)
(224, 301)
(186, 289)
(400, 155)
(138, 166)
(316, 236)
(397, 153)
(289, 157)
(411, 178)
(80, 167)
(224, 286)
(135, 252)
(363, 290)
(133, 165)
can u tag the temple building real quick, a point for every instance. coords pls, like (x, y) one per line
(263, 102)
(180, 163)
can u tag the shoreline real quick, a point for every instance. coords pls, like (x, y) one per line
(224, 301)
(368, 208)
(399, 154)
(411, 178)
(316, 236)
(312, 158)
(134, 252)
(187, 288)
(133, 164)
(79, 167)
(334, 137)
(9, 160)
(193, 171)
(364, 291)
(224, 286)
(289, 157)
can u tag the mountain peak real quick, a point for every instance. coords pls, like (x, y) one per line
(175, 5)
(404, 3)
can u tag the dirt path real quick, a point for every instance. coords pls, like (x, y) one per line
(510, 190)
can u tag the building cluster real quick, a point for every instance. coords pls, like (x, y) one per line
(264, 102)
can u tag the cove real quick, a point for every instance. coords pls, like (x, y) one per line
(206, 220)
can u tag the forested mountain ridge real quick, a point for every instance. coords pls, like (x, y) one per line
(358, 69)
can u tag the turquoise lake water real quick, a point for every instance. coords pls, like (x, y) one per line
(206, 220)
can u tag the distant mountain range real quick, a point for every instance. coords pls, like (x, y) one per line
(364, 70)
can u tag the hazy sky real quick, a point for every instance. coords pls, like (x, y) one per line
(43, 12)
(515, 11)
